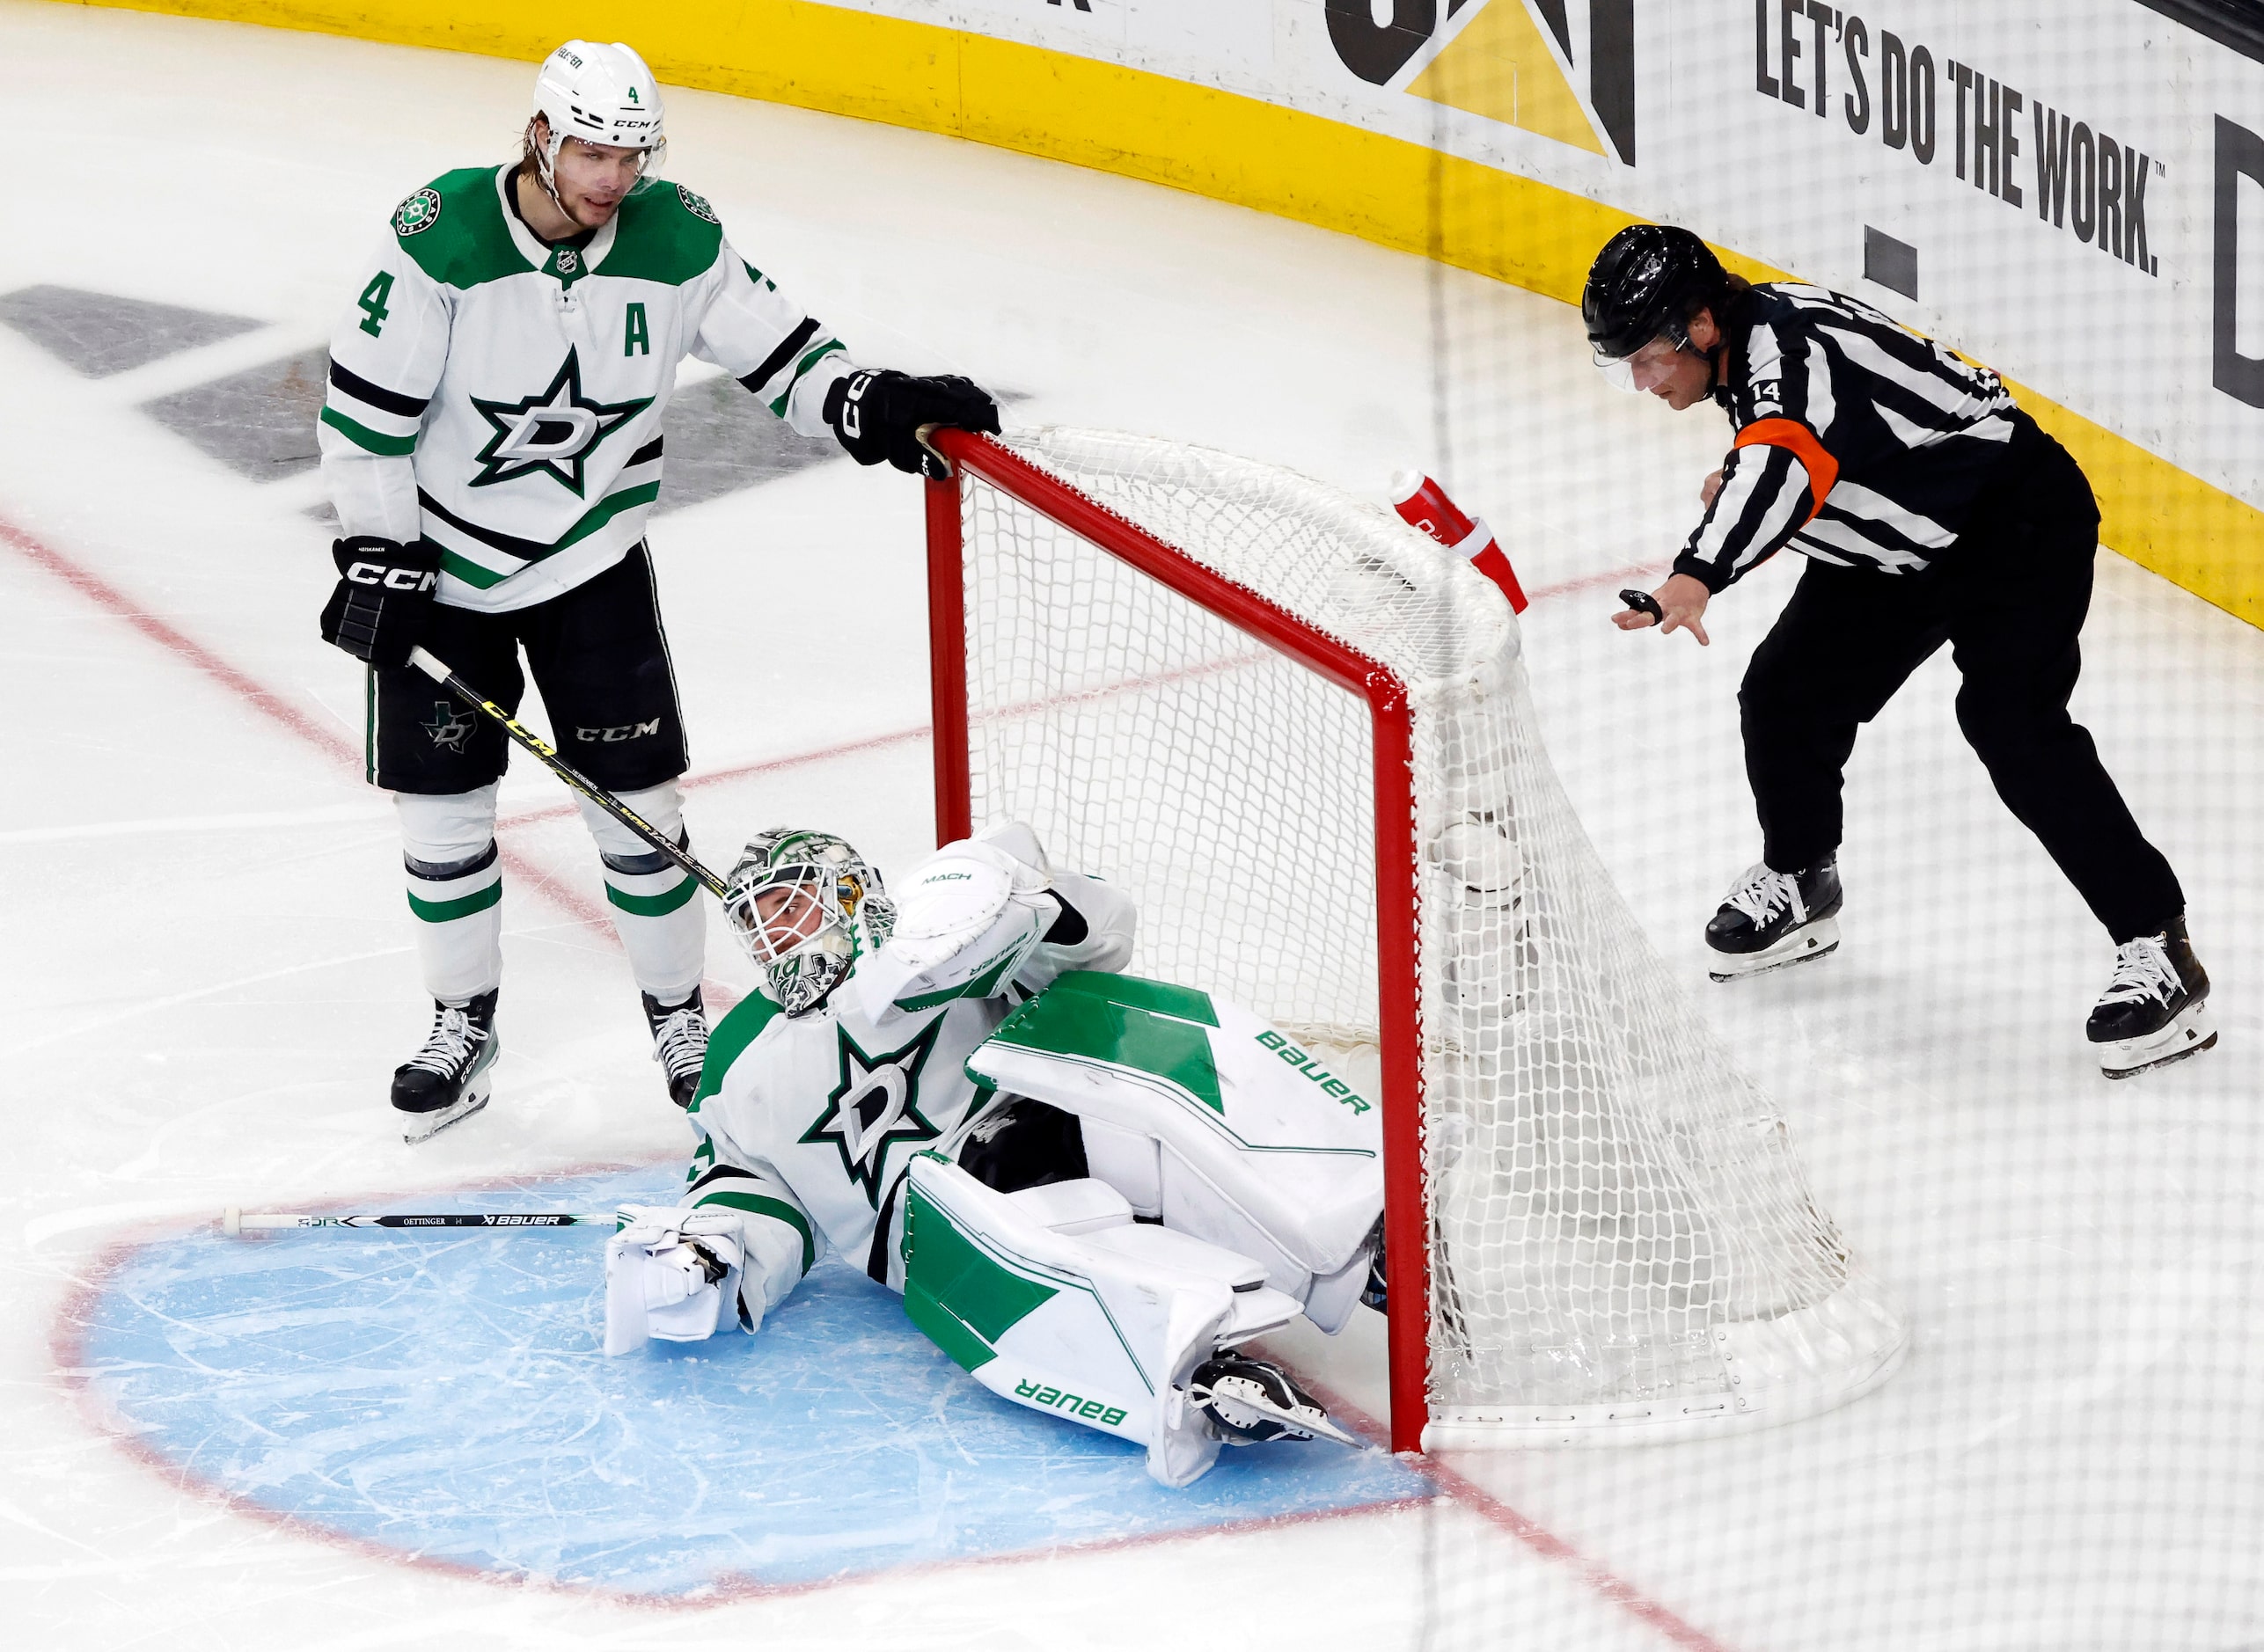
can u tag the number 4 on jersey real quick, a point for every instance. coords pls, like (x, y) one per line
(372, 301)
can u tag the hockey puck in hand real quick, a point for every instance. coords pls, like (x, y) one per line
(1644, 602)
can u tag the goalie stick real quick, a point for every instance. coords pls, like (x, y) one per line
(547, 755)
(236, 1222)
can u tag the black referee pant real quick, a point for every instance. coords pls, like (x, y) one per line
(2009, 598)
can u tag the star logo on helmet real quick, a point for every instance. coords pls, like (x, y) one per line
(553, 432)
(874, 1107)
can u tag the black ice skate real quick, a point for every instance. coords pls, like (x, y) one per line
(680, 1044)
(1774, 919)
(449, 1078)
(2156, 1009)
(1253, 1400)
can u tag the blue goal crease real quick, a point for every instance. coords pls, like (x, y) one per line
(445, 1394)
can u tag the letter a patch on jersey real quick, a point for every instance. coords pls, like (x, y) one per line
(875, 1105)
(555, 431)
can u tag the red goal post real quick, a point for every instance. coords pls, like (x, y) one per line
(1299, 734)
(1406, 1246)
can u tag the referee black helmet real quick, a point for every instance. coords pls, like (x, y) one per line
(1649, 279)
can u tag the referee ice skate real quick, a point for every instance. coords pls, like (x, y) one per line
(1932, 509)
(491, 442)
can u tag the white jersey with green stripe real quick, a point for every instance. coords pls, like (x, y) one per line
(501, 398)
(811, 1121)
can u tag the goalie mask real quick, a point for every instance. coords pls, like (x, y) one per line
(970, 917)
(805, 906)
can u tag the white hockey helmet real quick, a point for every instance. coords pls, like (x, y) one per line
(601, 94)
(805, 906)
(969, 918)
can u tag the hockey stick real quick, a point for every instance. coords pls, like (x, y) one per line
(547, 755)
(235, 1223)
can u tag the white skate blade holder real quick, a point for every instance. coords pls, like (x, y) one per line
(1810, 941)
(1248, 1397)
(2191, 1031)
(423, 1126)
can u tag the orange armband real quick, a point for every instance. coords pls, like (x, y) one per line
(1800, 441)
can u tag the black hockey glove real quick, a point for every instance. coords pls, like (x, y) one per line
(877, 415)
(384, 592)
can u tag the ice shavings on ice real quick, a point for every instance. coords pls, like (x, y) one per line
(444, 1394)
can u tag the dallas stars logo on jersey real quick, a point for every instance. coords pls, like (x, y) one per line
(419, 213)
(555, 432)
(875, 1105)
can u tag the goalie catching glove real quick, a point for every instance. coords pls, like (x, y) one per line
(879, 416)
(988, 916)
(384, 594)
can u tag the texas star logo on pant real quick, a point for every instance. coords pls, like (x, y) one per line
(448, 729)
(875, 1105)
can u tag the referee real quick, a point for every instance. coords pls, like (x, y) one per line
(1932, 509)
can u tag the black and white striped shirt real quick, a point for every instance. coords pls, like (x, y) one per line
(1858, 443)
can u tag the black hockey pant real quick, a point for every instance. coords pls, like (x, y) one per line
(2010, 598)
(600, 659)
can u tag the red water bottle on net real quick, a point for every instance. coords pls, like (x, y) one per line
(1422, 504)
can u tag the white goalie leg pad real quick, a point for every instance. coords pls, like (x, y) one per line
(657, 912)
(1205, 1117)
(455, 890)
(669, 1273)
(1055, 1298)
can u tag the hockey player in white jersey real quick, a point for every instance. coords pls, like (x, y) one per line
(491, 442)
(1090, 1202)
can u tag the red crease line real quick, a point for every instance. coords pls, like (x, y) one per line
(181, 646)
(1536, 1537)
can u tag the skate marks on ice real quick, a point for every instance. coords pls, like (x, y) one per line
(444, 1399)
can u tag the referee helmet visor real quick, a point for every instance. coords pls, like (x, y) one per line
(1641, 292)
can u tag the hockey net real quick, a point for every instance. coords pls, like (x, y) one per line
(1299, 732)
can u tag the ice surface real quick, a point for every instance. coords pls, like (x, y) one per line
(208, 976)
(98, 334)
(444, 1395)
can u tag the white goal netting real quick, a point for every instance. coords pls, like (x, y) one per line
(1623, 1242)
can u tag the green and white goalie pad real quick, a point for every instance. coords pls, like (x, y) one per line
(1055, 1298)
(1207, 1117)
